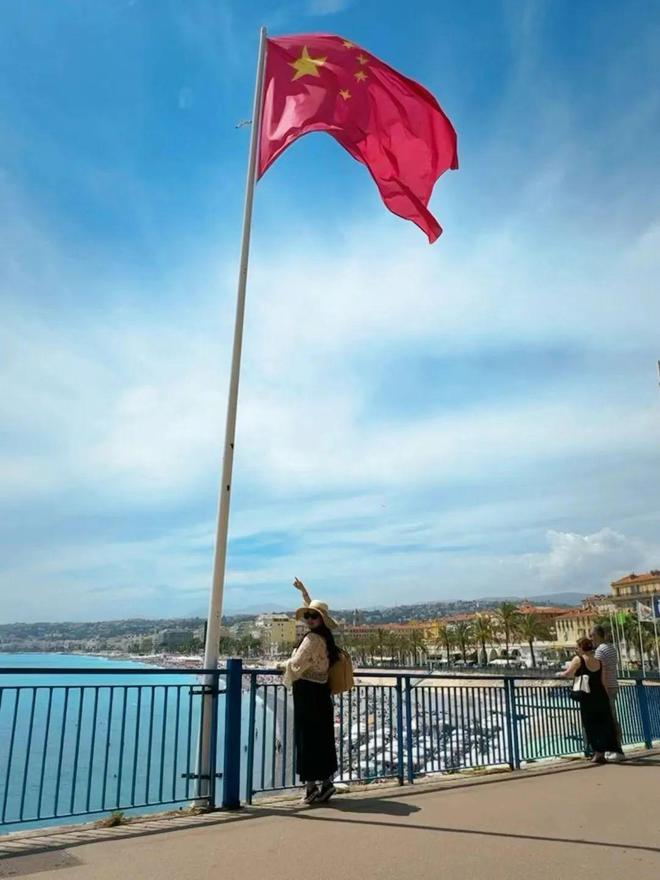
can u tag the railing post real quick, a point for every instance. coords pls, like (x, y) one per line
(643, 703)
(512, 722)
(409, 739)
(231, 797)
(399, 729)
(249, 776)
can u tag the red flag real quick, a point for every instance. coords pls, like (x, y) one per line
(318, 82)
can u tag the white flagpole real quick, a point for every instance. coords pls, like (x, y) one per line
(618, 646)
(211, 648)
(620, 639)
(641, 646)
(655, 631)
(623, 642)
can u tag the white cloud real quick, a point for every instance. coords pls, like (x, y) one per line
(129, 401)
(591, 562)
(128, 409)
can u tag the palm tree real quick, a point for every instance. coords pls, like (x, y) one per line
(507, 616)
(403, 643)
(372, 646)
(227, 645)
(532, 627)
(350, 643)
(381, 637)
(629, 631)
(464, 635)
(444, 636)
(484, 632)
(391, 645)
(362, 649)
(417, 645)
(630, 628)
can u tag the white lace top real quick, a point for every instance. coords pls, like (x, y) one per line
(308, 661)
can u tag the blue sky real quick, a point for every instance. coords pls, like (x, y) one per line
(477, 417)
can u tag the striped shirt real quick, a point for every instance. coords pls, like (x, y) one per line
(607, 655)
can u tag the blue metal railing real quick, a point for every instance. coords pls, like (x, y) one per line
(80, 742)
(409, 726)
(82, 746)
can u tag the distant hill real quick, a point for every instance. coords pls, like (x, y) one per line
(431, 610)
(13, 635)
(96, 629)
(560, 598)
(267, 608)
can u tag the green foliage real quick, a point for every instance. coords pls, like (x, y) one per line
(464, 634)
(484, 633)
(384, 646)
(508, 619)
(532, 627)
(244, 645)
(444, 636)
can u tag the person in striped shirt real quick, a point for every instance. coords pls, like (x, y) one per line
(606, 653)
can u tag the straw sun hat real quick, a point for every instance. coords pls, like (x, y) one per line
(321, 608)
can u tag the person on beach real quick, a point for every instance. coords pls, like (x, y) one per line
(306, 672)
(595, 708)
(606, 653)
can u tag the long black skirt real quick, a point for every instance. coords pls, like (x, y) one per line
(314, 731)
(597, 719)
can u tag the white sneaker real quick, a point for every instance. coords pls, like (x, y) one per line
(615, 757)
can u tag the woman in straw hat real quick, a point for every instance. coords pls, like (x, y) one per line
(306, 671)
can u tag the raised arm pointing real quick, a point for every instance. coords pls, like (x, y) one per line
(298, 584)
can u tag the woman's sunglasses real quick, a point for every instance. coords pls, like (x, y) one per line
(311, 615)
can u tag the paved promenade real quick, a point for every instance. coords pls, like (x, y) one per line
(560, 823)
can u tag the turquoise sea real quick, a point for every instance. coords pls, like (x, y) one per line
(89, 744)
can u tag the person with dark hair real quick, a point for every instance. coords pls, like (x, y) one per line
(306, 672)
(606, 653)
(595, 709)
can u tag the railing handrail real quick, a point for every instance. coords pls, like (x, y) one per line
(515, 675)
(458, 676)
(78, 670)
(409, 673)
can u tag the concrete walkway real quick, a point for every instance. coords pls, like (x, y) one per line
(571, 821)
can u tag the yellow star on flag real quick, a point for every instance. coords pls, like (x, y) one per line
(360, 76)
(348, 44)
(306, 65)
(345, 94)
(362, 59)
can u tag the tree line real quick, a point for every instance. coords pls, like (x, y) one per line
(471, 640)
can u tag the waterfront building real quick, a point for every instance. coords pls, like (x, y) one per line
(633, 588)
(547, 613)
(574, 624)
(361, 632)
(277, 632)
(172, 639)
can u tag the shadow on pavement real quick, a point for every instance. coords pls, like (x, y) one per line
(380, 806)
(391, 803)
(476, 832)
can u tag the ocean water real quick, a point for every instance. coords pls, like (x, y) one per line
(89, 744)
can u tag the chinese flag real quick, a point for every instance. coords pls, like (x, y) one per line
(318, 82)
